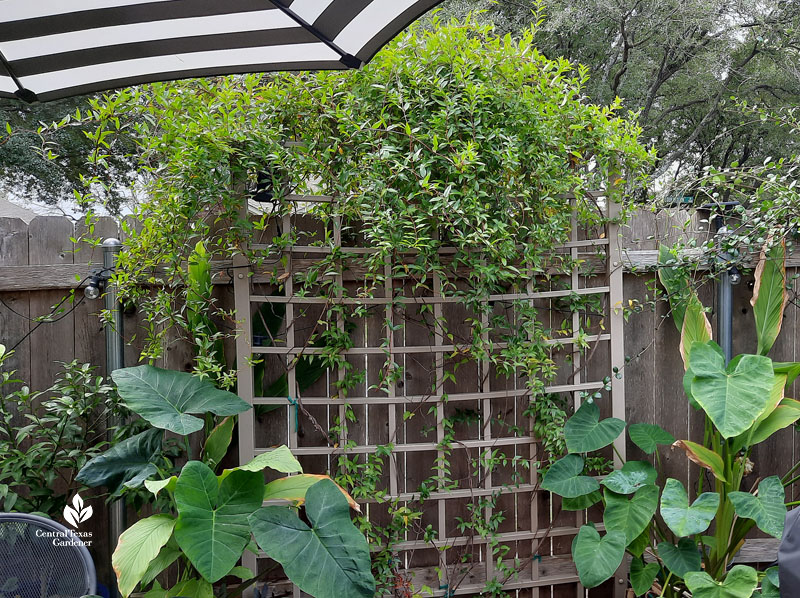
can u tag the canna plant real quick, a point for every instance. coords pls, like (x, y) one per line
(681, 545)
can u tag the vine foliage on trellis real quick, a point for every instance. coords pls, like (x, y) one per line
(452, 138)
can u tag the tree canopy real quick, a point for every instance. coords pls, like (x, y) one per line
(683, 66)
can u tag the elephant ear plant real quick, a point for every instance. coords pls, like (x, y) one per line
(209, 518)
(678, 544)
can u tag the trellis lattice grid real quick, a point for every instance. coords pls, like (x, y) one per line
(457, 429)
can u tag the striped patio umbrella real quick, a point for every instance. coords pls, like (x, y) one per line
(51, 49)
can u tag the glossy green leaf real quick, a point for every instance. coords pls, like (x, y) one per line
(767, 509)
(579, 503)
(740, 582)
(642, 576)
(633, 476)
(218, 441)
(584, 432)
(596, 558)
(685, 519)
(564, 478)
(126, 464)
(734, 397)
(212, 528)
(769, 296)
(756, 431)
(703, 456)
(682, 558)
(167, 398)
(630, 515)
(338, 551)
(137, 546)
(648, 436)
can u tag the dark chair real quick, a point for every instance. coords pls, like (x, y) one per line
(40, 558)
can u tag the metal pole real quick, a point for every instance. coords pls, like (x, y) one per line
(725, 318)
(114, 361)
(725, 299)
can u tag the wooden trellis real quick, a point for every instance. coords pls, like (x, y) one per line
(392, 329)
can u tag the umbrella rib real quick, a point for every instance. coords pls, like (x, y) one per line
(22, 92)
(348, 60)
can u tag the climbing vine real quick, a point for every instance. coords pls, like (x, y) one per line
(452, 157)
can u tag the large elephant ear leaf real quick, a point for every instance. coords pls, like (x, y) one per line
(328, 560)
(125, 465)
(564, 478)
(681, 517)
(769, 295)
(167, 399)
(733, 397)
(596, 558)
(767, 509)
(585, 432)
(212, 527)
(740, 582)
(680, 559)
(648, 436)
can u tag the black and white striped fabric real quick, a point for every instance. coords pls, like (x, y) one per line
(51, 49)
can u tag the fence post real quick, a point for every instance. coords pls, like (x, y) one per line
(617, 344)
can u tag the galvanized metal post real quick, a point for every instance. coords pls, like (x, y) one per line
(114, 360)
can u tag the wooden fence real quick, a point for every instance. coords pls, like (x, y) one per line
(39, 264)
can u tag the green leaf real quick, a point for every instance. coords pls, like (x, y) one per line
(596, 558)
(156, 486)
(338, 551)
(740, 582)
(648, 436)
(768, 590)
(294, 489)
(676, 283)
(683, 519)
(137, 546)
(633, 476)
(638, 546)
(579, 503)
(696, 329)
(682, 558)
(584, 432)
(126, 464)
(734, 397)
(218, 441)
(564, 478)
(769, 296)
(642, 576)
(212, 527)
(168, 555)
(630, 516)
(280, 459)
(768, 509)
(783, 416)
(773, 576)
(166, 398)
(191, 588)
(756, 431)
(704, 457)
(790, 368)
(242, 573)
